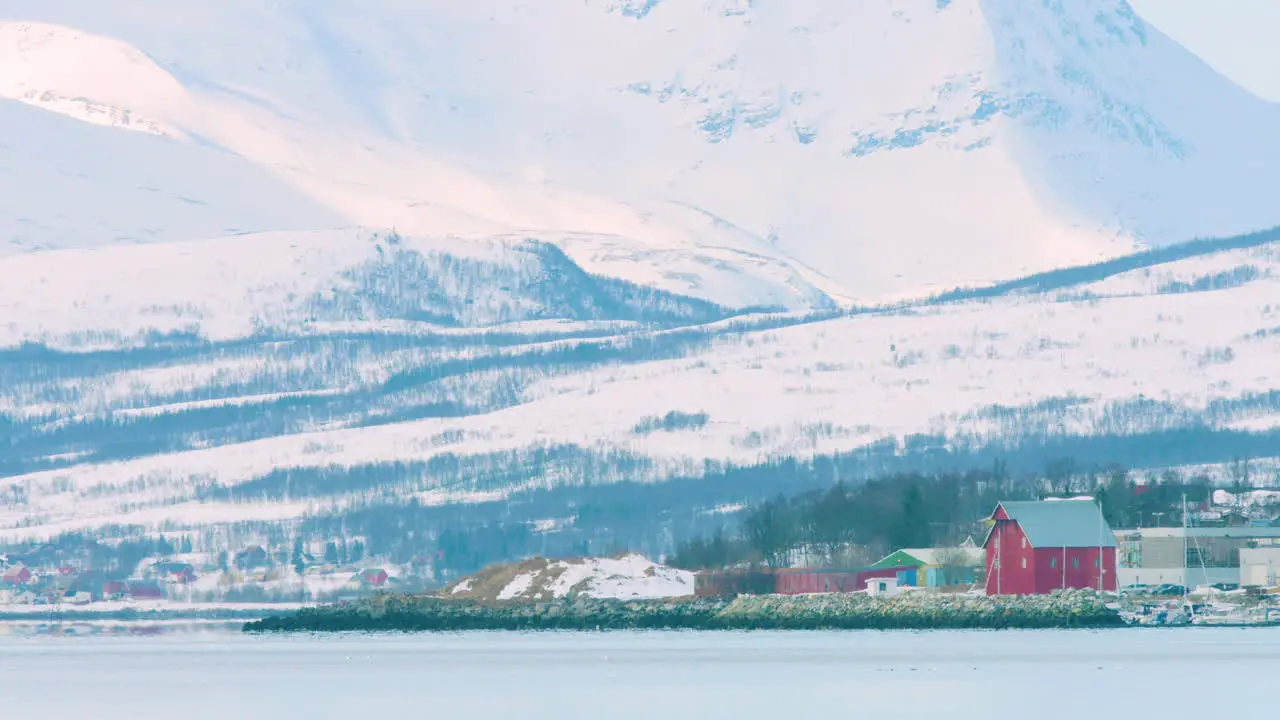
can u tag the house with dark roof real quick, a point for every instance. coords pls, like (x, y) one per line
(1034, 548)
(175, 572)
(371, 577)
(252, 558)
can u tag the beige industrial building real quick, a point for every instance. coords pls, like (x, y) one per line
(1260, 567)
(1189, 556)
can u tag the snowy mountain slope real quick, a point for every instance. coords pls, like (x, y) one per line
(234, 288)
(64, 182)
(1041, 134)
(1188, 345)
(350, 175)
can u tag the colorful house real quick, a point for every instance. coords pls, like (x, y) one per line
(1034, 548)
(938, 567)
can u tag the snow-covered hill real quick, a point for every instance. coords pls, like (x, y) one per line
(304, 419)
(624, 578)
(869, 148)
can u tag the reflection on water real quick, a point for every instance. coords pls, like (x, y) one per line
(35, 628)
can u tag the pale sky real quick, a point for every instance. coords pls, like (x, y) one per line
(1240, 38)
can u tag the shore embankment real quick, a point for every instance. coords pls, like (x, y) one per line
(908, 611)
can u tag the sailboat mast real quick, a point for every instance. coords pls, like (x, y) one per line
(1186, 577)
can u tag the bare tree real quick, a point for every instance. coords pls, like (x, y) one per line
(1238, 472)
(1059, 473)
(954, 566)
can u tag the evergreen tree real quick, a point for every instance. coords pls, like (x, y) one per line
(298, 559)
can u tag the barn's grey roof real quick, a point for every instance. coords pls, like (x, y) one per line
(1061, 523)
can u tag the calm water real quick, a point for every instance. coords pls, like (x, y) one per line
(1176, 673)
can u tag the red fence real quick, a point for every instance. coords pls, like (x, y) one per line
(728, 583)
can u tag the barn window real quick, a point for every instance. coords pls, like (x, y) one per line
(1024, 543)
(1075, 562)
(1097, 562)
(1053, 562)
(1024, 563)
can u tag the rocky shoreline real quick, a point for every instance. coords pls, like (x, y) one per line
(910, 611)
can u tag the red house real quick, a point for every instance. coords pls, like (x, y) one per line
(145, 590)
(17, 575)
(373, 577)
(1035, 548)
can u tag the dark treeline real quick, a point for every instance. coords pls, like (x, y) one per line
(856, 524)
(1067, 277)
(850, 508)
(494, 371)
(850, 525)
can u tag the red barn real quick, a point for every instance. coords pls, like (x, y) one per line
(1034, 548)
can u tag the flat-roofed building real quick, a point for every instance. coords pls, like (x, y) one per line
(1187, 556)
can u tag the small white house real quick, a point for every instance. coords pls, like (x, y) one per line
(887, 587)
(1260, 567)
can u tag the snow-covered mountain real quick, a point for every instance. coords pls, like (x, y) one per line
(303, 258)
(868, 148)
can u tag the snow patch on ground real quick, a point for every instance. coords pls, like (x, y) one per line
(625, 577)
(630, 576)
(518, 587)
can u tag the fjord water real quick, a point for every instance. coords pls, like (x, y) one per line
(1170, 673)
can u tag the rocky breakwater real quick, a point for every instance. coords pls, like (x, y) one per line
(908, 611)
(921, 611)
